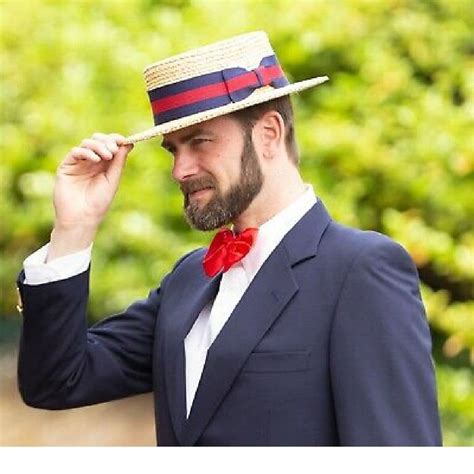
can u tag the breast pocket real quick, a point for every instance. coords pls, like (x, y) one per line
(295, 361)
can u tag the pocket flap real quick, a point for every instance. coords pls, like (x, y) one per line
(277, 361)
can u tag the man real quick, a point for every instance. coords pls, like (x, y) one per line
(290, 330)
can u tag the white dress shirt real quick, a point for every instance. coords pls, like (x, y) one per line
(214, 315)
(38, 272)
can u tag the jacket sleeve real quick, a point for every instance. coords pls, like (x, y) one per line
(382, 372)
(63, 364)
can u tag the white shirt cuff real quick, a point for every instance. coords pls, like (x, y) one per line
(37, 272)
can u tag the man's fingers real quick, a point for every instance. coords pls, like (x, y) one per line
(98, 147)
(119, 139)
(80, 153)
(116, 166)
(111, 140)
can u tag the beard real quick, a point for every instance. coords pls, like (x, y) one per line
(223, 208)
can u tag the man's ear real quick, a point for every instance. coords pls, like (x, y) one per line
(269, 132)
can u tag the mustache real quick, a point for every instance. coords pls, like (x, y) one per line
(193, 185)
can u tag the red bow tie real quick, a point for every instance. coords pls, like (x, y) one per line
(225, 250)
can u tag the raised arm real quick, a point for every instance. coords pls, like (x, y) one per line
(61, 364)
(86, 183)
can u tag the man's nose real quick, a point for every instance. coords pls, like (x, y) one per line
(184, 166)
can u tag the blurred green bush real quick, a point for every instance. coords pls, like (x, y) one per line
(387, 143)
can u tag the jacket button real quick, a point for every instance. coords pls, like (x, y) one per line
(19, 305)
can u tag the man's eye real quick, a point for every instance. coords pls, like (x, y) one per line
(199, 141)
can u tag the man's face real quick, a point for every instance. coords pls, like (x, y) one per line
(217, 168)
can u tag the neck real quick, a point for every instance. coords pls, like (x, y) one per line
(272, 198)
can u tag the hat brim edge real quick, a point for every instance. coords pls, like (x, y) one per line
(257, 97)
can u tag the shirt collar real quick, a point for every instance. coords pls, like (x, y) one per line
(271, 233)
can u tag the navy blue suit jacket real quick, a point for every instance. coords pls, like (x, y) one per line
(328, 346)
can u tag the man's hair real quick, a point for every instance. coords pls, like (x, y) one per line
(249, 116)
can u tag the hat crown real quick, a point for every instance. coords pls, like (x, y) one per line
(245, 51)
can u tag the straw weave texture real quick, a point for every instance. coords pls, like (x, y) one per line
(242, 51)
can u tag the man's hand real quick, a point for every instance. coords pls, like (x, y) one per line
(86, 182)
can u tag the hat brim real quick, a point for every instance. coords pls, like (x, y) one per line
(263, 94)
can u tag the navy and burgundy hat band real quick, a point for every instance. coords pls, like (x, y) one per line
(215, 80)
(212, 90)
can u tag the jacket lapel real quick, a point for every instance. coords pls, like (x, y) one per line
(258, 309)
(179, 323)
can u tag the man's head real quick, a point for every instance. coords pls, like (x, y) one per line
(222, 164)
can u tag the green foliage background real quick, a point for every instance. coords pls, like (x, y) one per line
(388, 142)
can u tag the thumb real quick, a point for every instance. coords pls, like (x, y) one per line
(114, 171)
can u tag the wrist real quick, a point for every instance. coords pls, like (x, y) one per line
(68, 240)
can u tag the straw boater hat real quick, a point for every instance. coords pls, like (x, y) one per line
(215, 80)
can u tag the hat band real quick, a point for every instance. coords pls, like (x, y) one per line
(212, 90)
